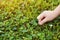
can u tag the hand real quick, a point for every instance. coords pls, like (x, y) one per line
(46, 16)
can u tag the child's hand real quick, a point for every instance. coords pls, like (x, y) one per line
(46, 16)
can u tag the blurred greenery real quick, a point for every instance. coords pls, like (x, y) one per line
(18, 20)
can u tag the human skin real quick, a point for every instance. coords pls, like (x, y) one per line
(47, 16)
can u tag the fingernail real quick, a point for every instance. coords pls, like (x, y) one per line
(37, 17)
(40, 23)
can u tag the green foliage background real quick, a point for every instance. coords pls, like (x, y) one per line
(18, 20)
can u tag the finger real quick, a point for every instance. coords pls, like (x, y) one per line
(43, 21)
(40, 17)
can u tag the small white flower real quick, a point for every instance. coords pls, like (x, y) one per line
(50, 25)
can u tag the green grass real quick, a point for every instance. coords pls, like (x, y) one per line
(18, 20)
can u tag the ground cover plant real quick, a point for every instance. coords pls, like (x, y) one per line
(18, 20)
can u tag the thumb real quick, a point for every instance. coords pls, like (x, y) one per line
(43, 21)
